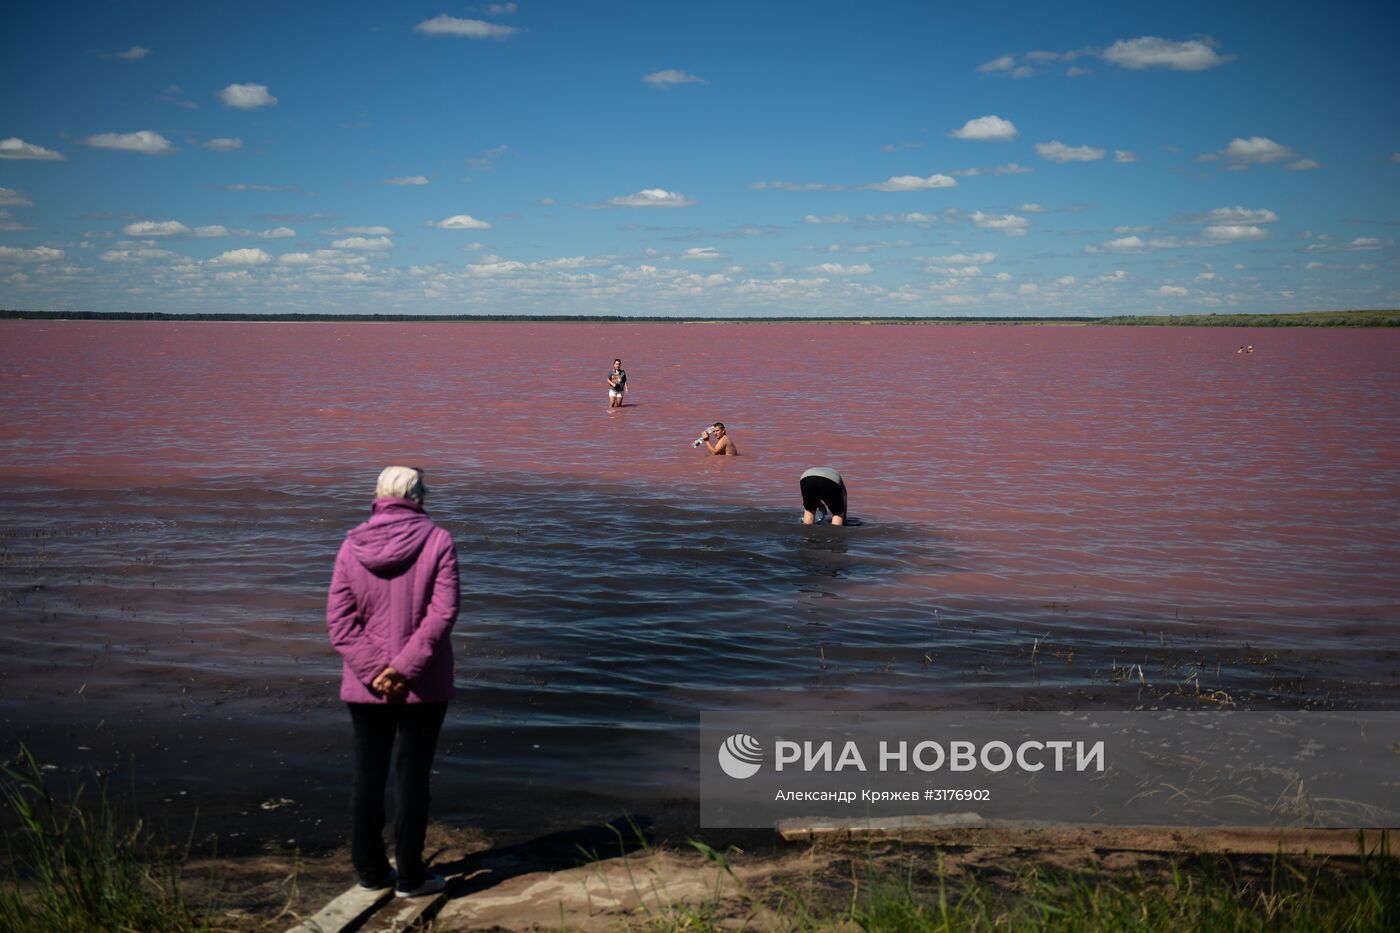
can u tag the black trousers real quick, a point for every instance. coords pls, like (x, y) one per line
(416, 726)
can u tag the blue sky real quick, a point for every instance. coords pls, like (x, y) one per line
(700, 159)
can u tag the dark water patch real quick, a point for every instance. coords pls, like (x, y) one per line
(182, 626)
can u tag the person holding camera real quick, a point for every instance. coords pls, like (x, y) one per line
(717, 440)
(617, 384)
(823, 489)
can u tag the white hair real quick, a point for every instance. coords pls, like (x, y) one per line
(400, 482)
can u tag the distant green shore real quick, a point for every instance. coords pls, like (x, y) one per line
(1369, 318)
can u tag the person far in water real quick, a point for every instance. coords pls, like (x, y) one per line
(717, 440)
(823, 489)
(617, 384)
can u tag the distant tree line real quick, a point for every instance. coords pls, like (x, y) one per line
(547, 318)
(1371, 318)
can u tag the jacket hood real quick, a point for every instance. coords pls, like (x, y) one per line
(393, 536)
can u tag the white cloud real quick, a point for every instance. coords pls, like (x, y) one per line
(16, 148)
(474, 246)
(652, 197)
(1010, 168)
(1127, 229)
(135, 53)
(277, 233)
(445, 25)
(320, 256)
(1123, 156)
(1065, 280)
(829, 219)
(1032, 208)
(702, 252)
(836, 268)
(1057, 151)
(246, 187)
(964, 258)
(914, 183)
(1002, 276)
(1170, 291)
(1364, 242)
(1134, 54)
(913, 218)
(462, 222)
(495, 265)
(11, 254)
(360, 242)
(1152, 52)
(1125, 243)
(1233, 215)
(407, 180)
(1009, 224)
(672, 77)
(1235, 232)
(156, 228)
(1257, 149)
(990, 128)
(224, 144)
(1303, 165)
(213, 230)
(1117, 275)
(145, 142)
(501, 9)
(1254, 150)
(1207, 277)
(246, 96)
(9, 197)
(1029, 288)
(242, 257)
(136, 255)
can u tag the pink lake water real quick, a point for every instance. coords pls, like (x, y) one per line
(1040, 509)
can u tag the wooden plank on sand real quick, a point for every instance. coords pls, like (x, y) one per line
(405, 913)
(345, 912)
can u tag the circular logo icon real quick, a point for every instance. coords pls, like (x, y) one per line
(740, 756)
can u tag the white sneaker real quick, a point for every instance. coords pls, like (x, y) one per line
(432, 884)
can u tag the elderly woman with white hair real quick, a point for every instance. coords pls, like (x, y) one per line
(392, 603)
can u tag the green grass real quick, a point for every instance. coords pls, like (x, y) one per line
(81, 864)
(1211, 893)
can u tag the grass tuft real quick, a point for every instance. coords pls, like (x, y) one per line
(81, 865)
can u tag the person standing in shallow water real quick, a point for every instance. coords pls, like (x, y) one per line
(718, 442)
(392, 604)
(617, 384)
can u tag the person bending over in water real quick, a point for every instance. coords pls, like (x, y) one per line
(617, 384)
(823, 488)
(392, 603)
(719, 442)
